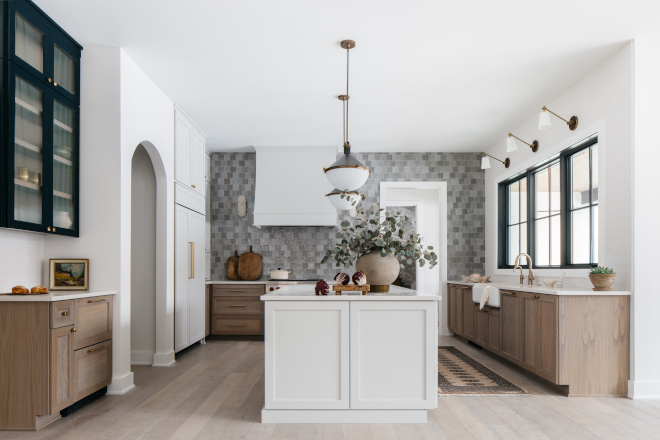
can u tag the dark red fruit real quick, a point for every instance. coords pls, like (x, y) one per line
(359, 278)
(322, 288)
(342, 278)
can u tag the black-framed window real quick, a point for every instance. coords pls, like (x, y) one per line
(550, 211)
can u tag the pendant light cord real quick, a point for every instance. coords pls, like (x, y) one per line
(347, 95)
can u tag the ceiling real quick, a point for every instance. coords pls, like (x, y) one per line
(425, 75)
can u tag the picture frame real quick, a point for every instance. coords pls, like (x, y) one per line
(68, 274)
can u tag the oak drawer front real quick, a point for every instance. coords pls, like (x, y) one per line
(61, 313)
(238, 325)
(93, 321)
(92, 369)
(236, 306)
(238, 290)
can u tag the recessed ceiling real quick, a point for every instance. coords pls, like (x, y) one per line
(425, 75)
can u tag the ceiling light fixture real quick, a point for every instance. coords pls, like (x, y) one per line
(347, 173)
(545, 123)
(485, 162)
(511, 144)
(344, 200)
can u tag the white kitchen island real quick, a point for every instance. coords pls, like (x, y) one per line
(350, 358)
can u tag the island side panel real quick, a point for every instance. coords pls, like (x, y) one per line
(594, 344)
(306, 355)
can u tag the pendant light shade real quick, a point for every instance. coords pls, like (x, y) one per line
(347, 173)
(348, 202)
(485, 163)
(511, 144)
(544, 120)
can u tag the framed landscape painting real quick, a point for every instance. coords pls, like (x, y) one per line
(67, 274)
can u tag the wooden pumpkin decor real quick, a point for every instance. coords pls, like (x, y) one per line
(232, 267)
(250, 266)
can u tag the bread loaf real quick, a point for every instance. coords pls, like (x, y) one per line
(19, 289)
(39, 289)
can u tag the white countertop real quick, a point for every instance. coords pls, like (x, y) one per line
(576, 291)
(305, 292)
(60, 295)
(259, 281)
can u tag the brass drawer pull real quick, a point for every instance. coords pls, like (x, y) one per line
(238, 290)
(65, 313)
(96, 349)
(73, 330)
(237, 325)
(95, 301)
(509, 293)
(238, 305)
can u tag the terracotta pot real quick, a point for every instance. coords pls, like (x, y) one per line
(602, 282)
(381, 272)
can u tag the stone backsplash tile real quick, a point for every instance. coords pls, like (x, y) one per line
(301, 249)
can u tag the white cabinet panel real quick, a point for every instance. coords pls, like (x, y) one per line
(393, 355)
(207, 211)
(181, 274)
(198, 158)
(207, 168)
(307, 355)
(183, 130)
(189, 277)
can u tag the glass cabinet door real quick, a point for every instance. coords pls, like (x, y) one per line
(65, 155)
(29, 43)
(28, 151)
(29, 40)
(64, 71)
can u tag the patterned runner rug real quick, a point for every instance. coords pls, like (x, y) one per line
(458, 373)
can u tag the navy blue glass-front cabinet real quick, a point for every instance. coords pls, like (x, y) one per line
(39, 122)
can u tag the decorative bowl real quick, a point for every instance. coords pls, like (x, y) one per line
(549, 283)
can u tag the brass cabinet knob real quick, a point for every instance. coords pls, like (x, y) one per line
(65, 313)
(193, 186)
(73, 330)
(54, 229)
(50, 80)
(48, 228)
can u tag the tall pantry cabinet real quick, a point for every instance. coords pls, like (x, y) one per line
(189, 232)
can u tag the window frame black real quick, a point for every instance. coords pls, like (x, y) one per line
(564, 186)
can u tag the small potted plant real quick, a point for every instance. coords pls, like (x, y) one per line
(602, 278)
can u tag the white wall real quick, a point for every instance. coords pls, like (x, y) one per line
(645, 380)
(143, 259)
(602, 100)
(21, 256)
(121, 108)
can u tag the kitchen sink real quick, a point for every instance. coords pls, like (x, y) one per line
(493, 299)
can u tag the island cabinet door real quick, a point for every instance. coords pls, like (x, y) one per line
(307, 355)
(394, 355)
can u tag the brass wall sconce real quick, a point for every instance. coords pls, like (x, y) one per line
(485, 162)
(545, 123)
(511, 144)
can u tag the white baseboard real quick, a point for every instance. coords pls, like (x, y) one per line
(164, 359)
(643, 390)
(343, 416)
(121, 385)
(142, 357)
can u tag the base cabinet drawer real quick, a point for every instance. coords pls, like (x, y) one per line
(61, 313)
(93, 321)
(92, 369)
(237, 306)
(238, 290)
(238, 325)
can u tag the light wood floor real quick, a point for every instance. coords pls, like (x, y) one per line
(216, 391)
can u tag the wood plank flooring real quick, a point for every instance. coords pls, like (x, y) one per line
(216, 392)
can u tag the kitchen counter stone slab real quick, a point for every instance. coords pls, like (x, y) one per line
(60, 295)
(565, 291)
(306, 293)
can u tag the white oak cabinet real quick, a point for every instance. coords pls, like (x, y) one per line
(189, 153)
(189, 277)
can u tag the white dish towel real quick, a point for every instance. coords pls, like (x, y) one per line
(485, 293)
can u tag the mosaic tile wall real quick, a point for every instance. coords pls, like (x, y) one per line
(301, 249)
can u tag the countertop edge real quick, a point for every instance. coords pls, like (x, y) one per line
(351, 298)
(54, 296)
(551, 291)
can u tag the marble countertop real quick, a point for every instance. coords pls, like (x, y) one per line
(305, 292)
(565, 291)
(61, 295)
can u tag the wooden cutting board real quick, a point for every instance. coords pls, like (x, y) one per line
(232, 267)
(250, 266)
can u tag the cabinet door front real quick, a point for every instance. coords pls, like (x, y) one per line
(511, 326)
(183, 270)
(93, 320)
(548, 340)
(307, 355)
(469, 314)
(182, 149)
(481, 335)
(451, 309)
(494, 331)
(393, 355)
(531, 328)
(92, 369)
(196, 283)
(61, 368)
(64, 175)
(27, 201)
(29, 39)
(198, 153)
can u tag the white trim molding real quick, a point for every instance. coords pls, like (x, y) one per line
(121, 385)
(643, 390)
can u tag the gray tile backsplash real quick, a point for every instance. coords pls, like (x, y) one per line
(301, 249)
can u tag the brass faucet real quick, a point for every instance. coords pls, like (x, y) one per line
(530, 278)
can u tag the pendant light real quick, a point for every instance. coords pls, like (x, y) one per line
(345, 203)
(347, 173)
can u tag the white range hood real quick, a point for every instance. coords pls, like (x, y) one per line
(291, 187)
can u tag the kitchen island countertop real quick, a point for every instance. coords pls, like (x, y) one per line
(305, 292)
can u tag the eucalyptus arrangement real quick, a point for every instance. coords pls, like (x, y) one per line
(388, 237)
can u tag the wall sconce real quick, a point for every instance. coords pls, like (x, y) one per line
(485, 162)
(544, 120)
(242, 206)
(511, 144)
